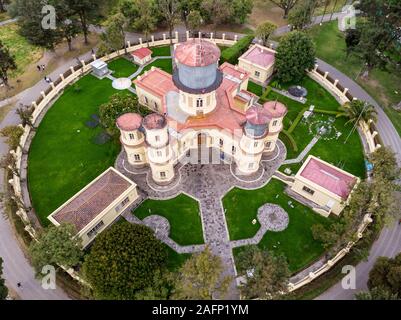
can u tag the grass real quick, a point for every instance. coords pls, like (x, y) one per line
(161, 51)
(122, 68)
(23, 52)
(62, 160)
(383, 85)
(164, 64)
(175, 260)
(255, 88)
(296, 242)
(182, 212)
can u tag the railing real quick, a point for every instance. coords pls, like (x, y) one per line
(74, 73)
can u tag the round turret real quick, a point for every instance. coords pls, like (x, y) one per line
(257, 120)
(275, 109)
(129, 122)
(197, 67)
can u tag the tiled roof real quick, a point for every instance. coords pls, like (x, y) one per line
(261, 56)
(329, 177)
(129, 121)
(93, 200)
(197, 53)
(142, 52)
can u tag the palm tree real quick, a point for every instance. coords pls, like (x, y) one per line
(359, 110)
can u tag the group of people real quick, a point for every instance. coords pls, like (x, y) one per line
(48, 79)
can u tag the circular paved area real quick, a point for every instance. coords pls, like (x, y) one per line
(121, 83)
(273, 217)
(159, 224)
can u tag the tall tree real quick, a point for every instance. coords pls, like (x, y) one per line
(241, 10)
(186, 6)
(146, 19)
(267, 275)
(302, 14)
(358, 110)
(194, 21)
(200, 278)
(7, 63)
(124, 262)
(67, 22)
(286, 5)
(56, 245)
(352, 38)
(170, 11)
(295, 55)
(264, 31)
(3, 4)
(113, 38)
(3, 288)
(219, 11)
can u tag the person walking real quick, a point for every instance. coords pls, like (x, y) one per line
(39, 67)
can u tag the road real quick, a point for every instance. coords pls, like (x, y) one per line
(17, 267)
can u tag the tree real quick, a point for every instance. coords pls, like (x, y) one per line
(3, 5)
(56, 245)
(241, 10)
(376, 294)
(124, 261)
(295, 55)
(264, 31)
(118, 105)
(386, 275)
(201, 278)
(286, 5)
(113, 38)
(186, 6)
(385, 164)
(358, 110)
(7, 162)
(3, 288)
(146, 19)
(13, 135)
(194, 20)
(302, 14)
(352, 38)
(7, 63)
(267, 275)
(218, 11)
(169, 9)
(25, 113)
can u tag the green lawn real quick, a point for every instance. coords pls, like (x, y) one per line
(62, 160)
(164, 64)
(183, 214)
(295, 242)
(122, 68)
(161, 51)
(255, 88)
(383, 85)
(175, 260)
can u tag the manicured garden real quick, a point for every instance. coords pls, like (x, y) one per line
(296, 242)
(164, 64)
(122, 68)
(63, 157)
(182, 212)
(161, 51)
(383, 85)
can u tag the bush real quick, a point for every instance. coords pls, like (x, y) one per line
(232, 53)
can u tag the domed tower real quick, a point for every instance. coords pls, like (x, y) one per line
(132, 138)
(159, 152)
(277, 112)
(197, 76)
(252, 141)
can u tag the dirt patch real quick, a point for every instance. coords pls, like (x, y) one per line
(377, 87)
(264, 10)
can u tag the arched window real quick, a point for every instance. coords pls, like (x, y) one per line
(199, 103)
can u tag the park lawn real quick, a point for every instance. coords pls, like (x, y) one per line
(182, 212)
(255, 88)
(62, 160)
(175, 260)
(161, 51)
(296, 242)
(122, 68)
(23, 52)
(164, 64)
(383, 85)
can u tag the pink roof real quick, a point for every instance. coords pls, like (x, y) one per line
(259, 56)
(233, 71)
(129, 121)
(197, 53)
(257, 116)
(329, 178)
(275, 109)
(154, 121)
(157, 81)
(142, 52)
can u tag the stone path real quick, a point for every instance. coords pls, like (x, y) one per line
(208, 183)
(290, 96)
(303, 154)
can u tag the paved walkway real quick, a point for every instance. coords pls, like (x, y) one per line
(208, 183)
(5, 22)
(304, 152)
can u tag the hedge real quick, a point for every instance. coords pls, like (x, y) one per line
(291, 140)
(331, 112)
(297, 119)
(232, 53)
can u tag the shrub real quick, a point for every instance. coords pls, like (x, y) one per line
(232, 53)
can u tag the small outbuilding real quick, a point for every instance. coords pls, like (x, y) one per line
(142, 56)
(325, 185)
(98, 205)
(100, 68)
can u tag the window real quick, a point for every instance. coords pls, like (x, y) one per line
(122, 204)
(255, 144)
(157, 138)
(268, 144)
(250, 166)
(221, 142)
(310, 191)
(132, 136)
(95, 229)
(158, 153)
(156, 106)
(275, 123)
(146, 100)
(257, 74)
(199, 103)
(163, 175)
(233, 149)
(137, 157)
